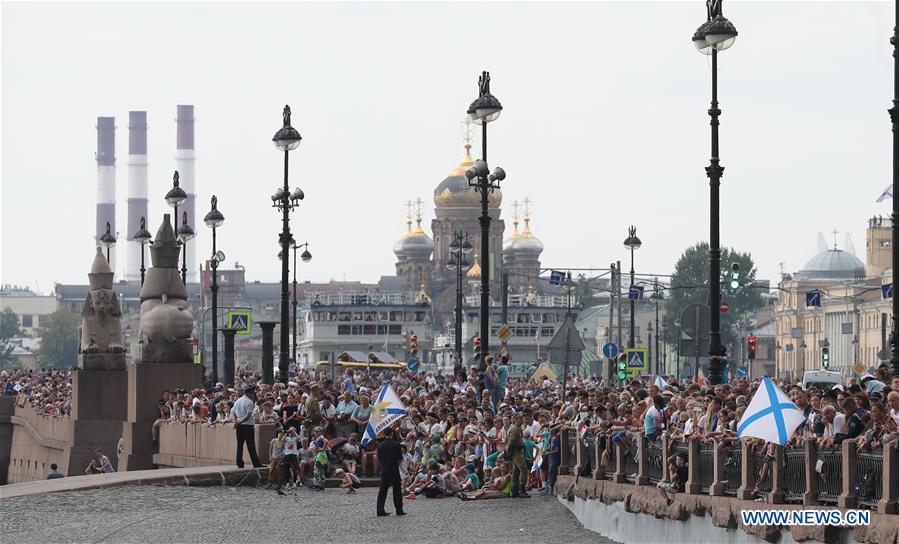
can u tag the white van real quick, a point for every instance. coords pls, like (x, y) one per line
(821, 379)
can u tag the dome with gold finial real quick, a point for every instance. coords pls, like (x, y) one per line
(415, 244)
(454, 191)
(526, 243)
(474, 273)
(514, 235)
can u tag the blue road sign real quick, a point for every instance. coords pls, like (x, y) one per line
(636, 360)
(610, 350)
(240, 320)
(887, 290)
(813, 298)
(635, 292)
(556, 277)
(742, 371)
(413, 364)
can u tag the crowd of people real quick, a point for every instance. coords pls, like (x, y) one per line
(49, 393)
(481, 434)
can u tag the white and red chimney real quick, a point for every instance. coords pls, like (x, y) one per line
(106, 181)
(137, 188)
(184, 164)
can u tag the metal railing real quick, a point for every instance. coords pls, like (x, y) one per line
(829, 474)
(706, 466)
(763, 485)
(655, 457)
(733, 475)
(794, 474)
(613, 459)
(630, 463)
(869, 488)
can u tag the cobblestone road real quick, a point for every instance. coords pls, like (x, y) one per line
(158, 515)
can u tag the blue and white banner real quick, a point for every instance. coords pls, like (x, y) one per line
(887, 193)
(771, 415)
(387, 410)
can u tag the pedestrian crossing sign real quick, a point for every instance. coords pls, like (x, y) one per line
(636, 361)
(241, 320)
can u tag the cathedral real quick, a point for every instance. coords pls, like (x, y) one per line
(422, 261)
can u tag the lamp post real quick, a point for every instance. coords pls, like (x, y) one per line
(485, 109)
(108, 240)
(185, 233)
(142, 237)
(894, 117)
(286, 140)
(306, 256)
(459, 248)
(649, 330)
(214, 219)
(716, 34)
(632, 243)
(657, 297)
(174, 198)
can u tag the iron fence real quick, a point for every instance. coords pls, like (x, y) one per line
(571, 450)
(733, 475)
(794, 474)
(655, 457)
(612, 465)
(869, 487)
(706, 466)
(764, 466)
(829, 474)
(630, 463)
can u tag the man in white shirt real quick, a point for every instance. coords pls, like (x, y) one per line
(245, 424)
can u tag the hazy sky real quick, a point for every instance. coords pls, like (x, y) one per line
(604, 124)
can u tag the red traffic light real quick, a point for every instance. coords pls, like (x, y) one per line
(414, 341)
(477, 341)
(751, 340)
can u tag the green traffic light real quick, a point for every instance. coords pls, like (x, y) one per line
(622, 375)
(734, 284)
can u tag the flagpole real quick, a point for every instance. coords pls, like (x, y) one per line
(894, 117)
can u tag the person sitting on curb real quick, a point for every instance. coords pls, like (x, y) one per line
(349, 481)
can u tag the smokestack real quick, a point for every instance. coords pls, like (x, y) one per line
(184, 164)
(106, 181)
(137, 188)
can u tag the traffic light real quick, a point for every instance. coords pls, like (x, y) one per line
(622, 366)
(413, 344)
(405, 344)
(825, 355)
(477, 349)
(751, 344)
(734, 276)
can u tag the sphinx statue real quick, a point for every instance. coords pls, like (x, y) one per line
(101, 324)
(166, 323)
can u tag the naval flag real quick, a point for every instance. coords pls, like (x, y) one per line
(887, 193)
(771, 415)
(387, 410)
(660, 382)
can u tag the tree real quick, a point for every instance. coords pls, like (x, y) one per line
(690, 285)
(9, 328)
(59, 340)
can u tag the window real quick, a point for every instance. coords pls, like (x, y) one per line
(27, 320)
(357, 316)
(537, 318)
(343, 330)
(357, 329)
(396, 316)
(419, 316)
(344, 316)
(547, 331)
(382, 329)
(395, 329)
(371, 316)
(369, 329)
(384, 316)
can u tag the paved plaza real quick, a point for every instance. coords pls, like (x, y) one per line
(158, 515)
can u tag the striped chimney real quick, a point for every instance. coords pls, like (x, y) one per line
(106, 181)
(137, 188)
(184, 164)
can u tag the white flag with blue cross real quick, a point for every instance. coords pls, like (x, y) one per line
(771, 415)
(387, 410)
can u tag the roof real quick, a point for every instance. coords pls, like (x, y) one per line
(362, 357)
(833, 264)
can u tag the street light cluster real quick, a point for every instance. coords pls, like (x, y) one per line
(460, 248)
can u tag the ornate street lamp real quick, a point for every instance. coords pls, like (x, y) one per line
(108, 240)
(214, 219)
(459, 249)
(716, 34)
(657, 296)
(185, 233)
(485, 109)
(632, 243)
(306, 257)
(286, 139)
(142, 237)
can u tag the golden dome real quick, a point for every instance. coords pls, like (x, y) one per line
(415, 243)
(507, 243)
(474, 273)
(526, 242)
(454, 191)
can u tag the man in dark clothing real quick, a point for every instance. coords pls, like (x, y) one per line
(389, 455)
